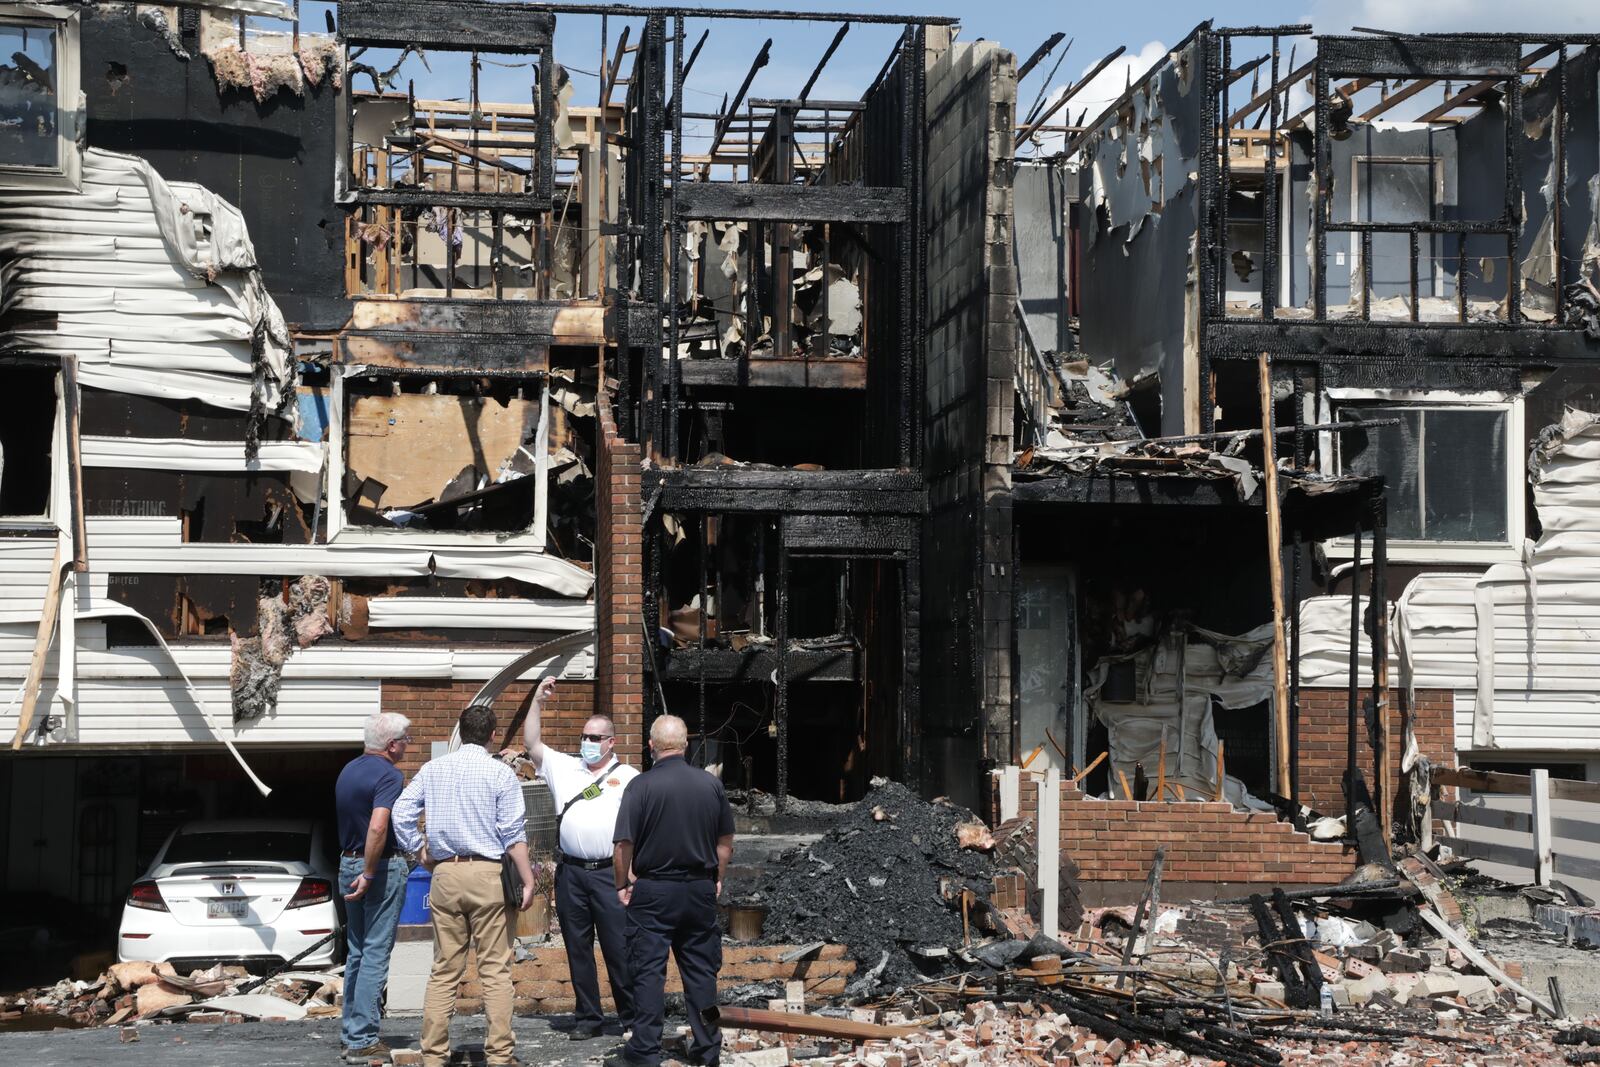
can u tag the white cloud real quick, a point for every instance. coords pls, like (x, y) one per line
(1448, 16)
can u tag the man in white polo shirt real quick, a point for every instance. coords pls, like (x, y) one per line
(587, 790)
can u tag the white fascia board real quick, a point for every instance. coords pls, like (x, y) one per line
(150, 453)
(549, 614)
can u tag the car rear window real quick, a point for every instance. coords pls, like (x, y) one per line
(283, 846)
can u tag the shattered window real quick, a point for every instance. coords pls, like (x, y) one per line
(1444, 467)
(28, 96)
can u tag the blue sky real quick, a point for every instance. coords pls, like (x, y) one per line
(1147, 29)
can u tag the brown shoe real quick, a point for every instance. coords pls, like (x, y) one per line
(375, 1051)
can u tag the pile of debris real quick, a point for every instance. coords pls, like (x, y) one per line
(891, 880)
(1312, 976)
(155, 992)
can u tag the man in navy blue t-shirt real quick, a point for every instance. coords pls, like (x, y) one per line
(373, 872)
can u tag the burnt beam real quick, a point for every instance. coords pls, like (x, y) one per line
(1376, 341)
(462, 24)
(868, 535)
(1415, 57)
(517, 203)
(488, 355)
(726, 665)
(789, 203)
(778, 492)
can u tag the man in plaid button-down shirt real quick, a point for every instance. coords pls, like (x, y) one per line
(475, 816)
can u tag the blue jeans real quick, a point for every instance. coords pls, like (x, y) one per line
(369, 929)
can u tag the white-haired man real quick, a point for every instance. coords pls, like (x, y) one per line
(587, 790)
(373, 872)
(674, 837)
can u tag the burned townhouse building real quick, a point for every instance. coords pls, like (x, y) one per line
(387, 355)
(379, 360)
(1308, 326)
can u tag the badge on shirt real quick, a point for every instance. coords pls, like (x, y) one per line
(613, 781)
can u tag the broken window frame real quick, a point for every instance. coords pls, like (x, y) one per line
(58, 506)
(63, 25)
(1407, 550)
(1444, 193)
(343, 532)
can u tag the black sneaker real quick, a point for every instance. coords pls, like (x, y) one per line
(583, 1033)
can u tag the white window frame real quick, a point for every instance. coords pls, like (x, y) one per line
(1428, 551)
(340, 532)
(68, 171)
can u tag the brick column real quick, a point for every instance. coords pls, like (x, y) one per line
(619, 585)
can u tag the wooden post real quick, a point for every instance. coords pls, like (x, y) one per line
(1222, 774)
(1161, 768)
(41, 650)
(1383, 781)
(1280, 657)
(1543, 851)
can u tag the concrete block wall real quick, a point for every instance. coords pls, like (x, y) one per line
(968, 406)
(619, 585)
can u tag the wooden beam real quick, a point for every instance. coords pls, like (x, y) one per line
(1516, 784)
(1482, 962)
(1066, 96)
(1280, 658)
(1399, 96)
(1265, 95)
(41, 650)
(1479, 87)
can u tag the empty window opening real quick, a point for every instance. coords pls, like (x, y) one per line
(446, 454)
(27, 438)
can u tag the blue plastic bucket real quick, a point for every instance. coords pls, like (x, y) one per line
(415, 910)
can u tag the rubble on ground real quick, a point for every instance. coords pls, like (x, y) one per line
(885, 880)
(141, 991)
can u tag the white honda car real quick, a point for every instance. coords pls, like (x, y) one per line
(251, 891)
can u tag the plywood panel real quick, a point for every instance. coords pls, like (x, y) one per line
(415, 444)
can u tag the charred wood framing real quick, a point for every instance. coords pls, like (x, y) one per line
(459, 24)
(722, 666)
(849, 534)
(790, 203)
(1410, 342)
(786, 492)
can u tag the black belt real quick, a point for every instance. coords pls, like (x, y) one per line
(467, 858)
(584, 865)
(358, 853)
(677, 877)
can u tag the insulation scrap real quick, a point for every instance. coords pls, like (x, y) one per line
(298, 619)
(262, 74)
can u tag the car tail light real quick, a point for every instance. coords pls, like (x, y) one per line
(312, 891)
(146, 895)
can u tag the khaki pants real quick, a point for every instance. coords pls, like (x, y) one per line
(469, 907)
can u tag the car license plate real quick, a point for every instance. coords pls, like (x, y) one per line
(227, 909)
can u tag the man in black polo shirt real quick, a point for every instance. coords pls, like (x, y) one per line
(674, 834)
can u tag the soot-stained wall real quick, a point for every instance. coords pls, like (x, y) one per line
(1140, 215)
(967, 416)
(274, 161)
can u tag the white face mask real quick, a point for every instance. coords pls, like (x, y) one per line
(590, 750)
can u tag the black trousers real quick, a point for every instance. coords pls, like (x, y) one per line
(682, 917)
(586, 903)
